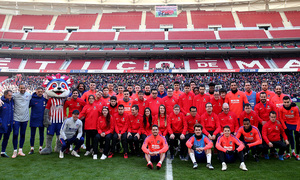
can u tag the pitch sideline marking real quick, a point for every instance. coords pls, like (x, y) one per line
(169, 171)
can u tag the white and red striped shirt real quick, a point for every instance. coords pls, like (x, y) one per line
(56, 107)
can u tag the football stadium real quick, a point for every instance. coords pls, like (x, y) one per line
(150, 89)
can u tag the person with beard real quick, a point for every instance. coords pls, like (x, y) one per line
(75, 103)
(236, 99)
(263, 108)
(211, 89)
(170, 100)
(192, 86)
(147, 91)
(264, 87)
(126, 101)
(81, 88)
(277, 100)
(251, 95)
(113, 106)
(201, 100)
(217, 102)
(92, 91)
(289, 118)
(199, 147)
(105, 95)
(252, 138)
(130, 89)
(255, 120)
(177, 91)
(186, 100)
(154, 102)
(140, 101)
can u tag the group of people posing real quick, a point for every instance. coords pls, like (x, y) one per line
(155, 120)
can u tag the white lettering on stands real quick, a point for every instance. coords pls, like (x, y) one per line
(45, 63)
(207, 63)
(159, 65)
(4, 63)
(120, 65)
(293, 63)
(242, 64)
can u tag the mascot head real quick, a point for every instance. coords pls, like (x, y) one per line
(57, 86)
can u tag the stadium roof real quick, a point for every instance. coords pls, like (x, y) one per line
(96, 6)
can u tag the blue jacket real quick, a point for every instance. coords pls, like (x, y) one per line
(162, 95)
(6, 114)
(38, 105)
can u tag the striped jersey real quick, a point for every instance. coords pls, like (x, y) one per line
(56, 107)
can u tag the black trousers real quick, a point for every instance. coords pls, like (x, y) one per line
(289, 134)
(224, 157)
(90, 136)
(123, 141)
(173, 142)
(133, 140)
(107, 139)
(276, 144)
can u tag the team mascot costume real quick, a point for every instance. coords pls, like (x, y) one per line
(57, 89)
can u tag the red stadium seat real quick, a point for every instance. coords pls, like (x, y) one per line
(187, 48)
(46, 36)
(293, 33)
(200, 48)
(252, 47)
(58, 49)
(158, 48)
(158, 63)
(131, 20)
(141, 36)
(2, 17)
(78, 64)
(11, 35)
(35, 21)
(119, 48)
(174, 48)
(207, 64)
(153, 22)
(92, 36)
(108, 48)
(133, 49)
(225, 47)
(2, 78)
(252, 19)
(126, 65)
(203, 19)
(145, 48)
(213, 48)
(37, 48)
(287, 63)
(48, 49)
(266, 47)
(258, 63)
(16, 48)
(293, 17)
(94, 49)
(9, 63)
(242, 34)
(187, 35)
(4, 47)
(83, 21)
(49, 64)
(69, 49)
(240, 47)
(82, 49)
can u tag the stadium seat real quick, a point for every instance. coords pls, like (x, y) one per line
(293, 17)
(78, 64)
(49, 64)
(83, 49)
(242, 34)
(252, 19)
(203, 19)
(207, 64)
(83, 21)
(293, 33)
(153, 22)
(158, 63)
(287, 62)
(46, 36)
(191, 35)
(2, 78)
(129, 20)
(92, 36)
(117, 64)
(2, 17)
(258, 63)
(37, 22)
(141, 36)
(10, 63)
(11, 35)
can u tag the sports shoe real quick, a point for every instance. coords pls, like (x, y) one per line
(95, 157)
(103, 157)
(288, 156)
(293, 154)
(21, 153)
(209, 166)
(267, 156)
(87, 153)
(61, 154)
(4, 155)
(297, 157)
(125, 156)
(83, 146)
(74, 153)
(31, 151)
(110, 155)
(71, 147)
(280, 157)
(243, 166)
(224, 166)
(195, 165)
(150, 165)
(40, 148)
(181, 158)
(158, 166)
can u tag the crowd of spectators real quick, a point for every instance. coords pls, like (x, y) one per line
(289, 81)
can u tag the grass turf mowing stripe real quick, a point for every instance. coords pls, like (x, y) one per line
(169, 170)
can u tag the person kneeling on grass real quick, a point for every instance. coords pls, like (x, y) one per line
(157, 148)
(71, 133)
(227, 152)
(199, 147)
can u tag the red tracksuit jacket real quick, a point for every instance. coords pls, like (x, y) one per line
(121, 123)
(162, 124)
(135, 124)
(254, 118)
(177, 123)
(73, 104)
(228, 143)
(200, 102)
(141, 104)
(91, 112)
(155, 144)
(264, 112)
(229, 119)
(169, 103)
(154, 104)
(210, 123)
(185, 102)
(272, 130)
(217, 105)
(148, 129)
(102, 125)
(191, 121)
(253, 137)
(289, 116)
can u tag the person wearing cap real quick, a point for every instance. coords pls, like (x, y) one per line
(71, 133)
(211, 89)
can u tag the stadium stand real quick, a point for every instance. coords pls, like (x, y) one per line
(48, 64)
(252, 19)
(2, 78)
(203, 19)
(287, 63)
(117, 64)
(7, 63)
(166, 63)
(47, 36)
(191, 35)
(83, 21)
(258, 63)
(129, 20)
(207, 64)
(35, 21)
(153, 22)
(2, 17)
(242, 34)
(77, 64)
(11, 35)
(293, 33)
(136, 36)
(293, 17)
(92, 36)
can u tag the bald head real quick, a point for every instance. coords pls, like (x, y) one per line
(225, 108)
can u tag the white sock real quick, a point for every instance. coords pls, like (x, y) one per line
(41, 147)
(160, 162)
(149, 162)
(192, 156)
(15, 150)
(293, 150)
(32, 148)
(2, 152)
(20, 149)
(208, 158)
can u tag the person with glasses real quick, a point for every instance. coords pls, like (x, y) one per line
(154, 102)
(170, 100)
(192, 119)
(210, 122)
(201, 99)
(228, 118)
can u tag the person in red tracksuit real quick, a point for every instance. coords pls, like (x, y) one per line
(191, 120)
(272, 132)
(105, 128)
(105, 95)
(147, 124)
(134, 130)
(126, 101)
(121, 126)
(255, 120)
(157, 148)
(290, 120)
(140, 101)
(226, 144)
(217, 102)
(211, 124)
(201, 99)
(186, 100)
(113, 106)
(229, 118)
(170, 100)
(264, 107)
(277, 99)
(90, 112)
(252, 138)
(269, 94)
(74, 104)
(161, 120)
(154, 102)
(177, 128)
(99, 99)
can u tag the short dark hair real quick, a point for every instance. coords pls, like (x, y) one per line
(91, 96)
(38, 88)
(160, 84)
(121, 105)
(231, 82)
(153, 90)
(286, 98)
(247, 105)
(141, 92)
(208, 103)
(135, 106)
(92, 82)
(186, 85)
(72, 91)
(126, 90)
(262, 93)
(192, 82)
(176, 106)
(201, 85)
(272, 112)
(193, 107)
(6, 92)
(120, 85)
(113, 98)
(246, 119)
(226, 127)
(154, 125)
(198, 125)
(105, 87)
(222, 90)
(176, 82)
